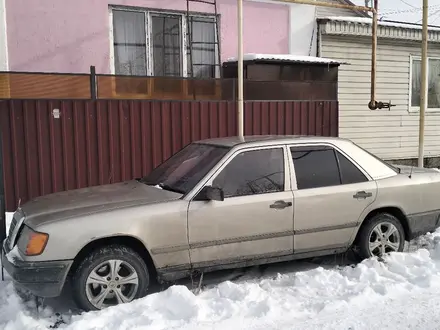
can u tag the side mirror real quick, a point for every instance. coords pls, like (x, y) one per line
(212, 194)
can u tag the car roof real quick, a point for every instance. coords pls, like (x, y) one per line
(268, 140)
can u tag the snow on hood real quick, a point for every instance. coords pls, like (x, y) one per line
(401, 292)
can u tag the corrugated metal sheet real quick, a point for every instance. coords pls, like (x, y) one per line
(2, 199)
(99, 142)
(361, 27)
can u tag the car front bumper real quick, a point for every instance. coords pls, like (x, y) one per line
(43, 279)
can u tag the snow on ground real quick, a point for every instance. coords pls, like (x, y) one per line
(403, 292)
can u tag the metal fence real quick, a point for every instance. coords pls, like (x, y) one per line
(57, 145)
(2, 198)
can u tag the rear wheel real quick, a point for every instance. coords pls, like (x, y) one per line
(110, 276)
(382, 234)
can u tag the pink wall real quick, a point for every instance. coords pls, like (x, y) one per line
(71, 35)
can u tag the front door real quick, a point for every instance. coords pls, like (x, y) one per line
(254, 221)
(331, 194)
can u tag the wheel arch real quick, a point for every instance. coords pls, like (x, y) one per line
(129, 241)
(394, 211)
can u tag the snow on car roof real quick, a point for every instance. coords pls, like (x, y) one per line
(285, 58)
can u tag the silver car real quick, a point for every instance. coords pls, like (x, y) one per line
(217, 204)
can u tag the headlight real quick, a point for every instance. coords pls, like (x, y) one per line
(32, 243)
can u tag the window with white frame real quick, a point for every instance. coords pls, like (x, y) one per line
(433, 75)
(157, 44)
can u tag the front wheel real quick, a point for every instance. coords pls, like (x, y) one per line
(382, 234)
(110, 276)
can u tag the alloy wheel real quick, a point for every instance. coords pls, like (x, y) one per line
(384, 238)
(112, 282)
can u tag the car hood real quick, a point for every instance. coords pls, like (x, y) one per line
(78, 202)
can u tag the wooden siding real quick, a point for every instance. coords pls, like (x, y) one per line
(391, 134)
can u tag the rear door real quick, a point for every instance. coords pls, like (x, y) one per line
(330, 194)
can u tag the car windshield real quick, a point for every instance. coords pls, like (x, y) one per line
(185, 169)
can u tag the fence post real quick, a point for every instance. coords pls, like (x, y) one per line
(92, 82)
(2, 197)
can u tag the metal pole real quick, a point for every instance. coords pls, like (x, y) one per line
(93, 82)
(240, 106)
(373, 104)
(424, 83)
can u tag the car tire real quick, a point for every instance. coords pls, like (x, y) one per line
(370, 243)
(95, 277)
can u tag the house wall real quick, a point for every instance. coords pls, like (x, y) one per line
(3, 38)
(391, 134)
(303, 26)
(69, 36)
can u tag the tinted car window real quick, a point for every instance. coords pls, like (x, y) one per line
(349, 172)
(253, 172)
(315, 167)
(182, 171)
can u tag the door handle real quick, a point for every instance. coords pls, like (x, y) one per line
(280, 205)
(362, 194)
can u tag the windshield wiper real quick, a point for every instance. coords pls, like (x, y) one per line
(169, 188)
(161, 185)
